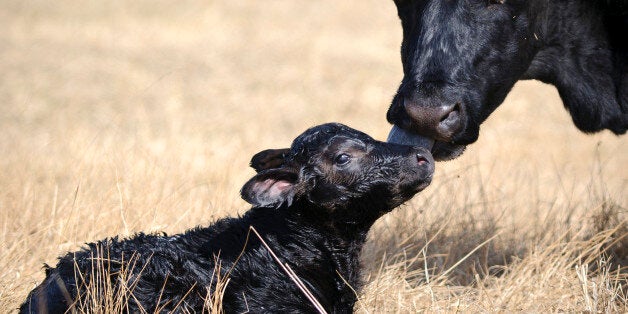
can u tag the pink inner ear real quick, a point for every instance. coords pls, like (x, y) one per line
(264, 185)
(272, 186)
(282, 185)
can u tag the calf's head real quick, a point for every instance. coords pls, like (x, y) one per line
(460, 58)
(339, 169)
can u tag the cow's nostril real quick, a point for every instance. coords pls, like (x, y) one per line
(453, 114)
(450, 122)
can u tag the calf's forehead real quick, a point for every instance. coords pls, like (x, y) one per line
(317, 138)
(342, 143)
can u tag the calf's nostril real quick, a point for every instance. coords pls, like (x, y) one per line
(421, 160)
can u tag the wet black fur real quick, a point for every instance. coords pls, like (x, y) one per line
(313, 208)
(473, 52)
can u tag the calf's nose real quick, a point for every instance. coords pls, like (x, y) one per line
(422, 160)
(423, 157)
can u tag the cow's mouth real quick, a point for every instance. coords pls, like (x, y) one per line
(440, 150)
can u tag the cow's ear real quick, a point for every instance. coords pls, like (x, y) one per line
(271, 188)
(270, 158)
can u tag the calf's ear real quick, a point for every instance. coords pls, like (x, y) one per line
(271, 188)
(268, 159)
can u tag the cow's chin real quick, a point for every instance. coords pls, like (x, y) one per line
(440, 150)
(446, 151)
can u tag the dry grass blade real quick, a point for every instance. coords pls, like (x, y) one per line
(445, 273)
(293, 276)
(127, 116)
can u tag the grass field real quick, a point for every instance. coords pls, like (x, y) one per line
(127, 116)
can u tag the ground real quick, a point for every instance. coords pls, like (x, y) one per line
(127, 116)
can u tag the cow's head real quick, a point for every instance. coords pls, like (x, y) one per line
(460, 59)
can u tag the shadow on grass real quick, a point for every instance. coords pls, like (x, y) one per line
(463, 249)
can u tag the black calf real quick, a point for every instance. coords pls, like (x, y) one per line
(313, 204)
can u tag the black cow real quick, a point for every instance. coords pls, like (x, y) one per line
(313, 204)
(461, 58)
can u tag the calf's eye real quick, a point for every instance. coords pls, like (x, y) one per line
(342, 159)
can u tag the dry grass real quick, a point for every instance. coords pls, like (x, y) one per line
(121, 116)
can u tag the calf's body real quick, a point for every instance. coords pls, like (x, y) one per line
(313, 204)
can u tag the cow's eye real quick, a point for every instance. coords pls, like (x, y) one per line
(342, 159)
(492, 2)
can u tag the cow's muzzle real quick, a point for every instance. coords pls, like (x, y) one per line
(441, 123)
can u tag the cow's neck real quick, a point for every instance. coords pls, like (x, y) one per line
(575, 55)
